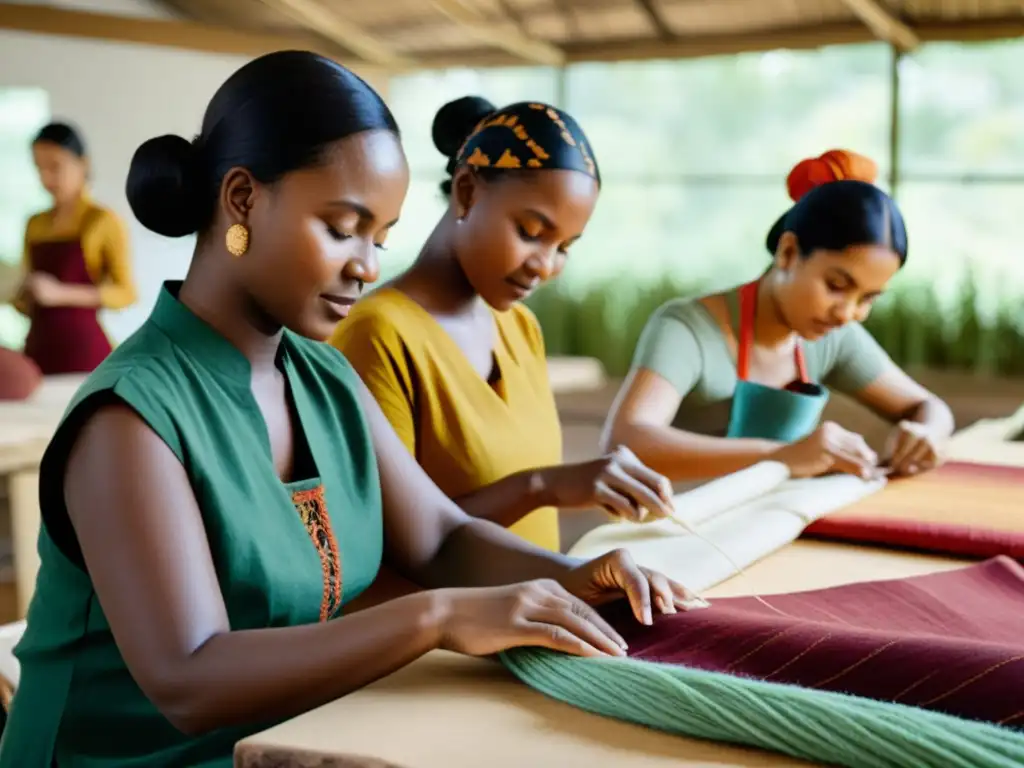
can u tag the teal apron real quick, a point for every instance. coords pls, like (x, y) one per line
(768, 413)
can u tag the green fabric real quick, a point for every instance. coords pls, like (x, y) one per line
(821, 726)
(77, 700)
(683, 343)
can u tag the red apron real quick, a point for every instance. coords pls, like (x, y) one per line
(64, 339)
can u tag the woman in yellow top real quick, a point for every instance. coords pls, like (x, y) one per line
(457, 362)
(76, 261)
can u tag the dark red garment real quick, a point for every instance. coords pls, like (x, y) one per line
(19, 376)
(965, 509)
(64, 339)
(951, 642)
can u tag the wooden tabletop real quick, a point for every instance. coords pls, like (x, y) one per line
(27, 426)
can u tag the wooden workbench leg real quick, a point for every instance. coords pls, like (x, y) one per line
(24, 506)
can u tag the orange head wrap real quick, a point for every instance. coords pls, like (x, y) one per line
(834, 165)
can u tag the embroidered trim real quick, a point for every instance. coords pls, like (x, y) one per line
(312, 509)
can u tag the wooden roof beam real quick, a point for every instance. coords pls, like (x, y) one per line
(657, 20)
(188, 35)
(326, 23)
(884, 23)
(506, 38)
(795, 38)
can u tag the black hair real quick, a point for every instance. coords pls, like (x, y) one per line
(842, 214)
(453, 124)
(64, 136)
(277, 114)
(524, 136)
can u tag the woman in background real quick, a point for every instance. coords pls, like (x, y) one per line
(76, 261)
(721, 382)
(455, 359)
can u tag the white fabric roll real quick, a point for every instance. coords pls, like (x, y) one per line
(747, 515)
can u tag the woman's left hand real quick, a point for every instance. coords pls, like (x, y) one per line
(912, 449)
(615, 574)
(45, 289)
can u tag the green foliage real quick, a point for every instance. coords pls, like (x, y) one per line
(913, 325)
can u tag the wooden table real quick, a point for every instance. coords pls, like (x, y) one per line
(25, 430)
(448, 711)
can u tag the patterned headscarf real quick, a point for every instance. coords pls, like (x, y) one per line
(528, 135)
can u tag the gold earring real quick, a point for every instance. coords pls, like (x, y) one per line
(236, 239)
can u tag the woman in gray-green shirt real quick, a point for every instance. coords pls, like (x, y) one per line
(720, 382)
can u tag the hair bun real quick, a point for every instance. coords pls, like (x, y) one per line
(456, 120)
(161, 186)
(834, 165)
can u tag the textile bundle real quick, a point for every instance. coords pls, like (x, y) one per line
(844, 676)
(973, 510)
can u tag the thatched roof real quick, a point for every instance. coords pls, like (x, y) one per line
(405, 34)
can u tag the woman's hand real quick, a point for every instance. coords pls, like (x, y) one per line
(830, 448)
(44, 290)
(912, 449)
(615, 575)
(618, 481)
(558, 614)
(481, 622)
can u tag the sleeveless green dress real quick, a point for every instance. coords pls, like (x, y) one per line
(285, 554)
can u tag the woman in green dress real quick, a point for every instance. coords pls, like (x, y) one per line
(223, 484)
(724, 381)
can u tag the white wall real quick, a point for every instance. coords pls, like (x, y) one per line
(120, 95)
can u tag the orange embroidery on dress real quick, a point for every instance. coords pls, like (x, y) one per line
(312, 509)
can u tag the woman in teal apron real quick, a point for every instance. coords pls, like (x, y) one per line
(223, 484)
(789, 413)
(723, 381)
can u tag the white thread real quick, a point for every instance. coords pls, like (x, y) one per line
(738, 571)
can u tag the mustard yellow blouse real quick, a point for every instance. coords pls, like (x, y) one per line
(463, 431)
(104, 246)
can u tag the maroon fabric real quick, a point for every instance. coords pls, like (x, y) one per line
(951, 642)
(961, 508)
(944, 538)
(64, 339)
(19, 376)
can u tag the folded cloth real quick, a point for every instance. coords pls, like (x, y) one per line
(952, 642)
(961, 508)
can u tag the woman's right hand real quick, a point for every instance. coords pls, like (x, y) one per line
(618, 481)
(484, 621)
(830, 448)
